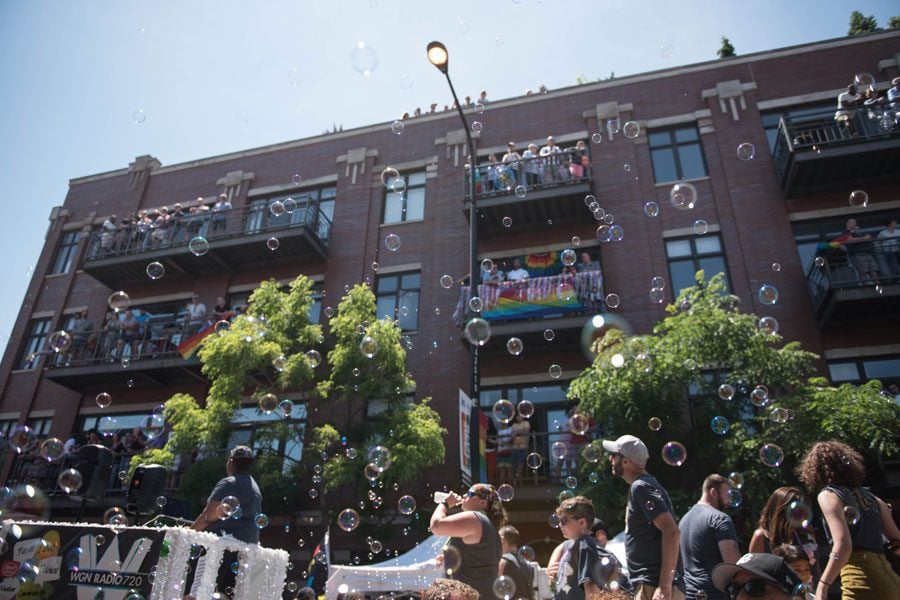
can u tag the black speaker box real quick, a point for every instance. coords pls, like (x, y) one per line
(95, 465)
(147, 484)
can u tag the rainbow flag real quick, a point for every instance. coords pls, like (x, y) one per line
(518, 303)
(835, 244)
(189, 347)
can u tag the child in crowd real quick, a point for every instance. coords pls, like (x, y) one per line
(798, 560)
(580, 572)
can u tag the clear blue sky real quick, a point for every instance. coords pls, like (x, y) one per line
(214, 76)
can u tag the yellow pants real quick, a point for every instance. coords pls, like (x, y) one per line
(868, 576)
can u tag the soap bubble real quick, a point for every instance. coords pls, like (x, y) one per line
(768, 325)
(406, 505)
(287, 407)
(313, 358)
(388, 176)
(527, 553)
(446, 282)
(228, 506)
(631, 129)
(504, 410)
(651, 209)
(596, 138)
(559, 450)
(657, 296)
(674, 454)
(658, 282)
(779, 415)
(576, 241)
(568, 257)
(579, 423)
(521, 191)
(116, 518)
(851, 513)
(549, 334)
(398, 186)
(555, 371)
(368, 346)
(859, 199)
(734, 498)
(746, 151)
(798, 514)
(514, 346)
(348, 520)
(719, 425)
(138, 116)
(261, 520)
(700, 227)
(771, 455)
(21, 439)
(486, 265)
(737, 479)
(268, 403)
(380, 456)
(726, 391)
(534, 460)
(612, 126)
(392, 242)
(69, 480)
(864, 82)
(776, 266)
(119, 301)
(52, 449)
(655, 424)
(767, 294)
(397, 127)
(504, 587)
(507, 222)
(477, 331)
(272, 243)
(364, 59)
(683, 196)
(155, 270)
(612, 300)
(198, 246)
(477, 126)
(525, 408)
(760, 395)
(591, 453)
(506, 492)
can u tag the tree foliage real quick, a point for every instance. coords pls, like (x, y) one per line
(860, 23)
(674, 375)
(894, 22)
(726, 50)
(274, 349)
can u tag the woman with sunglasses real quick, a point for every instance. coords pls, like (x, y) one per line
(855, 522)
(778, 524)
(472, 554)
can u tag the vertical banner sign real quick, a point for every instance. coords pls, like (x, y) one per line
(71, 562)
(465, 436)
(482, 445)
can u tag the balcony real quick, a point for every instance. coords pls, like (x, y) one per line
(541, 190)
(237, 239)
(152, 359)
(845, 291)
(527, 308)
(815, 153)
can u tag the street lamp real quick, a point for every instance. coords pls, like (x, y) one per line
(439, 57)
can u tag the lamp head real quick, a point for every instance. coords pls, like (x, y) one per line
(437, 55)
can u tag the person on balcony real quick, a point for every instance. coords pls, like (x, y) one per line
(179, 221)
(551, 153)
(577, 159)
(110, 333)
(893, 96)
(196, 315)
(862, 260)
(220, 310)
(508, 178)
(80, 331)
(160, 234)
(128, 334)
(888, 245)
(846, 109)
(517, 273)
(534, 166)
(488, 183)
(107, 234)
(493, 277)
(521, 436)
(197, 220)
(219, 220)
(134, 442)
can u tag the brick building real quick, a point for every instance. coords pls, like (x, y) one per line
(775, 207)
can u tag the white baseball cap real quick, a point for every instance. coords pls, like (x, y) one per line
(630, 447)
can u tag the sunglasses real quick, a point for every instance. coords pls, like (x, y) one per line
(472, 493)
(755, 588)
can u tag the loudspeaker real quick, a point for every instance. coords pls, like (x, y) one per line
(95, 464)
(147, 484)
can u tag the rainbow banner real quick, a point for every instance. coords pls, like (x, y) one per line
(189, 347)
(835, 244)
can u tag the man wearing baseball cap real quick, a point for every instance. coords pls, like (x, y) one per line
(651, 533)
(758, 576)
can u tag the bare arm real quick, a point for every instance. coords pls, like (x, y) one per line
(553, 563)
(758, 541)
(670, 549)
(209, 515)
(729, 551)
(502, 566)
(833, 511)
(888, 527)
(463, 525)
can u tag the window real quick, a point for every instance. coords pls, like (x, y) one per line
(6, 427)
(315, 309)
(676, 154)
(689, 255)
(41, 427)
(406, 205)
(885, 369)
(65, 254)
(34, 342)
(397, 297)
(250, 427)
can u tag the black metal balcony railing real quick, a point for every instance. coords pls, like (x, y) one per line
(863, 276)
(33, 469)
(250, 220)
(819, 148)
(156, 339)
(533, 174)
(550, 469)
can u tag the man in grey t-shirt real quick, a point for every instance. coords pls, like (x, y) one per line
(651, 533)
(708, 538)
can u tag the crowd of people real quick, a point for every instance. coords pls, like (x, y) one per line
(696, 557)
(875, 259)
(863, 100)
(161, 227)
(532, 167)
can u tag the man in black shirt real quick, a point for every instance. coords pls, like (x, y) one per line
(514, 566)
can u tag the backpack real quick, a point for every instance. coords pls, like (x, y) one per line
(522, 574)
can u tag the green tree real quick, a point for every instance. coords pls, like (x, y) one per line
(860, 23)
(675, 374)
(894, 22)
(726, 50)
(274, 351)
